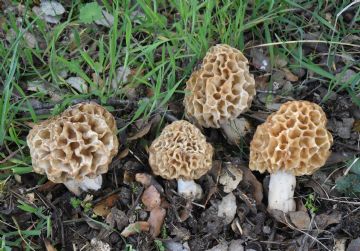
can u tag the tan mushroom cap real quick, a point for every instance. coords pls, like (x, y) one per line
(293, 139)
(222, 89)
(181, 151)
(78, 143)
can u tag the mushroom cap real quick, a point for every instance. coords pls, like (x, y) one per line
(222, 89)
(180, 152)
(78, 143)
(293, 139)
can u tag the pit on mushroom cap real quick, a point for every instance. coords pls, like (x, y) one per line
(293, 141)
(181, 152)
(76, 147)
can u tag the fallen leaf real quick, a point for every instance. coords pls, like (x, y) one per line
(103, 207)
(324, 220)
(47, 187)
(156, 220)
(227, 208)
(141, 133)
(300, 219)
(234, 130)
(106, 20)
(117, 218)
(230, 177)
(248, 177)
(30, 40)
(52, 8)
(289, 75)
(122, 76)
(151, 198)
(147, 180)
(78, 84)
(134, 228)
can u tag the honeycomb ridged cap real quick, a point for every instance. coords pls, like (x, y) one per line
(222, 89)
(78, 143)
(293, 139)
(181, 151)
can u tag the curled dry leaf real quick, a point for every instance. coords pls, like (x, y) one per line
(134, 228)
(151, 198)
(103, 207)
(156, 220)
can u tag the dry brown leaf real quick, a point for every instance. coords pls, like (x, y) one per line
(48, 186)
(48, 245)
(324, 220)
(141, 133)
(134, 228)
(156, 220)
(289, 75)
(151, 198)
(300, 219)
(249, 177)
(103, 208)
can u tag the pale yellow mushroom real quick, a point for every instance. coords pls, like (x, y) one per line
(182, 153)
(292, 142)
(76, 147)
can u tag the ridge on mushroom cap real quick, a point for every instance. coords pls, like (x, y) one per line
(78, 143)
(181, 151)
(293, 139)
(222, 89)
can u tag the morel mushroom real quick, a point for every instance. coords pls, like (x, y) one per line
(76, 147)
(221, 90)
(292, 142)
(181, 152)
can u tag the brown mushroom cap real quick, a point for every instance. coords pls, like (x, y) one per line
(293, 139)
(78, 143)
(181, 151)
(222, 89)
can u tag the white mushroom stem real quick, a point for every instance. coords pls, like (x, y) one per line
(189, 189)
(77, 187)
(281, 191)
